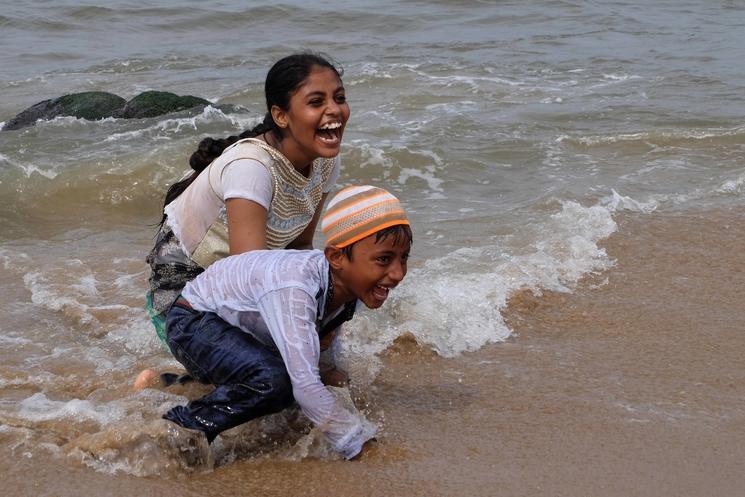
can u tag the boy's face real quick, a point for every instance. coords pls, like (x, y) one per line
(374, 268)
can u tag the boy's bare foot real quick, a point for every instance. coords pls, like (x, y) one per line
(147, 378)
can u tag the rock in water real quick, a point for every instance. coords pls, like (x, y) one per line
(93, 105)
(156, 103)
(90, 105)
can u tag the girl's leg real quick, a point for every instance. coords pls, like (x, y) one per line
(250, 379)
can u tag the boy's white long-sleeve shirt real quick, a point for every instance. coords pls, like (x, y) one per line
(278, 296)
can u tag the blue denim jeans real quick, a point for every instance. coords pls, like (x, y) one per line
(250, 378)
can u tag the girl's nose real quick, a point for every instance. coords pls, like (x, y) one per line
(333, 108)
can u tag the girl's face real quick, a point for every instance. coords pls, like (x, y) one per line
(314, 123)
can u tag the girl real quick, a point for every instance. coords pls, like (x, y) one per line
(263, 189)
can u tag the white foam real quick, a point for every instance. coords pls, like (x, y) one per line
(732, 186)
(617, 202)
(656, 136)
(28, 169)
(372, 156)
(427, 174)
(55, 295)
(13, 340)
(66, 121)
(729, 187)
(176, 126)
(42, 379)
(453, 107)
(40, 408)
(369, 71)
(106, 302)
(454, 303)
(14, 260)
(621, 77)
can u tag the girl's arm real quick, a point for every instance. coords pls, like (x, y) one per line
(246, 225)
(304, 240)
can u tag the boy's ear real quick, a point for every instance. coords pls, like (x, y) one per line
(335, 257)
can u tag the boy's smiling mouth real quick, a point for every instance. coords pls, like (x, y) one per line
(380, 292)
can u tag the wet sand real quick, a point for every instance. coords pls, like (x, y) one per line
(634, 385)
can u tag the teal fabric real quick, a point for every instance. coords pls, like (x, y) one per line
(158, 319)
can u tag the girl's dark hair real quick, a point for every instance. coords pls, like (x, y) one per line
(282, 80)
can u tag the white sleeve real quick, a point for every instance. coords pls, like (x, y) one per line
(247, 179)
(290, 316)
(331, 181)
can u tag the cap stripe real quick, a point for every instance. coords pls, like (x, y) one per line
(340, 215)
(347, 192)
(359, 211)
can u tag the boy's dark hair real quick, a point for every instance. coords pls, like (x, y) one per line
(285, 76)
(401, 233)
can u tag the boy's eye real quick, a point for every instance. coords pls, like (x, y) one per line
(384, 259)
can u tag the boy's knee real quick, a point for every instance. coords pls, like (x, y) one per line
(279, 387)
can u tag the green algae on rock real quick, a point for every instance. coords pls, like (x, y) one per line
(90, 105)
(94, 105)
(157, 103)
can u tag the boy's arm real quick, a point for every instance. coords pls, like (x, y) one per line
(290, 315)
(330, 375)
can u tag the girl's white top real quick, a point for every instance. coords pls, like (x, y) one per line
(278, 297)
(251, 170)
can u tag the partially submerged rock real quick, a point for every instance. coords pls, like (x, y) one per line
(87, 105)
(93, 105)
(157, 103)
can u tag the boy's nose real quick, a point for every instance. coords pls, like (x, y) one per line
(396, 271)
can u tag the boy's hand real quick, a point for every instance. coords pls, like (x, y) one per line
(334, 378)
(369, 448)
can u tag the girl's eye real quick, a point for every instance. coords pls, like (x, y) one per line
(316, 102)
(340, 99)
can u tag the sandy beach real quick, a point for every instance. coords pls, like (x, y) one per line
(632, 385)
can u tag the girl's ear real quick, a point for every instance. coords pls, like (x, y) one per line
(279, 116)
(335, 257)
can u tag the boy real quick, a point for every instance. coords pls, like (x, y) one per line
(251, 324)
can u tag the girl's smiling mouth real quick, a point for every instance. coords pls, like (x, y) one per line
(330, 133)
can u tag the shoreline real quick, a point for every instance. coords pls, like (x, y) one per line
(631, 385)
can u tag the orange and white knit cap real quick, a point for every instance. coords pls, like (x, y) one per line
(359, 211)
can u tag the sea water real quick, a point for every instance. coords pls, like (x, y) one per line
(515, 134)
